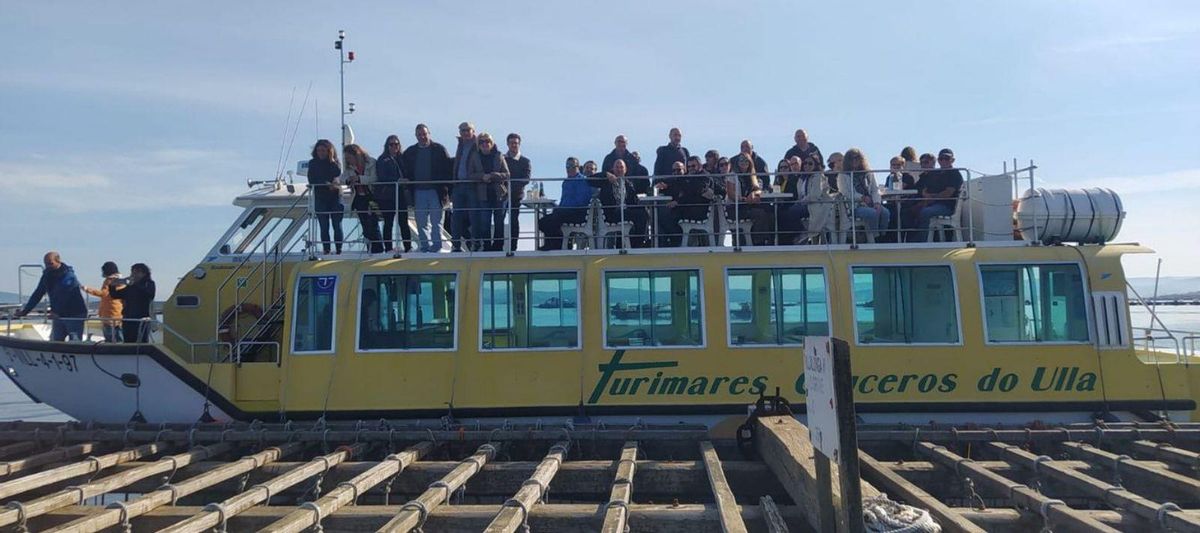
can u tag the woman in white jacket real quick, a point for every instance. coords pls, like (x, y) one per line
(859, 188)
(360, 174)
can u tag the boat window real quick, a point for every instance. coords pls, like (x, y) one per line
(1034, 303)
(534, 310)
(776, 306)
(406, 312)
(314, 314)
(905, 305)
(660, 308)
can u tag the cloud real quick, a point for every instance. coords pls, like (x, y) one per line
(154, 180)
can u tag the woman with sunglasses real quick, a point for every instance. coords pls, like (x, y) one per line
(488, 168)
(391, 191)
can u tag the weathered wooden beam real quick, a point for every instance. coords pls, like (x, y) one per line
(18, 448)
(65, 453)
(559, 518)
(116, 514)
(91, 465)
(1113, 495)
(784, 445)
(414, 513)
(214, 514)
(310, 514)
(727, 507)
(76, 495)
(894, 484)
(772, 516)
(1022, 521)
(273, 433)
(1126, 467)
(1166, 452)
(616, 513)
(1053, 510)
(515, 511)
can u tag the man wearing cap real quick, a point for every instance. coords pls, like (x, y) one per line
(463, 195)
(572, 207)
(939, 193)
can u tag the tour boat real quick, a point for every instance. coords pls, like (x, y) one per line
(991, 326)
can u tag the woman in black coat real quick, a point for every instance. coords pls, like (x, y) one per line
(138, 295)
(391, 192)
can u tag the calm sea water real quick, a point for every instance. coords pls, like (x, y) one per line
(15, 405)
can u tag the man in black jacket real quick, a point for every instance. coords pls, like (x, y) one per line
(427, 166)
(138, 295)
(620, 151)
(639, 175)
(803, 149)
(670, 153)
(520, 170)
(619, 201)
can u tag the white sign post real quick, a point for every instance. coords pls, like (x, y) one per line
(821, 401)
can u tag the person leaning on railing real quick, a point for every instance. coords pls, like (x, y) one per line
(67, 308)
(428, 165)
(323, 172)
(138, 295)
(110, 310)
(572, 207)
(392, 192)
(360, 174)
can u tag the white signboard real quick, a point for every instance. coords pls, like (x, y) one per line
(821, 401)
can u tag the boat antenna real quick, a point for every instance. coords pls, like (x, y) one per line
(344, 58)
(283, 138)
(296, 128)
(1154, 299)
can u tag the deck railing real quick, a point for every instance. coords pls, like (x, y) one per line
(726, 221)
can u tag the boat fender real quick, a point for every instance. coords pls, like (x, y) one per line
(131, 380)
(233, 311)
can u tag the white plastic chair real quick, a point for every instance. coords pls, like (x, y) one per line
(583, 233)
(609, 228)
(937, 225)
(688, 226)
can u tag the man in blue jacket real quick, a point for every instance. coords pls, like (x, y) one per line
(67, 308)
(572, 207)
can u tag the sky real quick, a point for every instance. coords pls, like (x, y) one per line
(130, 127)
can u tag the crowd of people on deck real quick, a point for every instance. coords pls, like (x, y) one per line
(126, 303)
(480, 189)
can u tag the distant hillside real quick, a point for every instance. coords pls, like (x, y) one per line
(1168, 287)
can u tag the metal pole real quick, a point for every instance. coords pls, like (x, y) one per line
(342, 83)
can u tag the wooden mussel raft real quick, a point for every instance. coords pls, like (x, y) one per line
(500, 478)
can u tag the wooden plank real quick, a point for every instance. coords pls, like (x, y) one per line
(76, 495)
(1021, 495)
(772, 516)
(513, 513)
(92, 465)
(1056, 513)
(1166, 452)
(911, 494)
(784, 446)
(261, 493)
(311, 514)
(1175, 482)
(18, 448)
(616, 513)
(413, 514)
(55, 455)
(168, 494)
(727, 507)
(559, 518)
(1111, 494)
